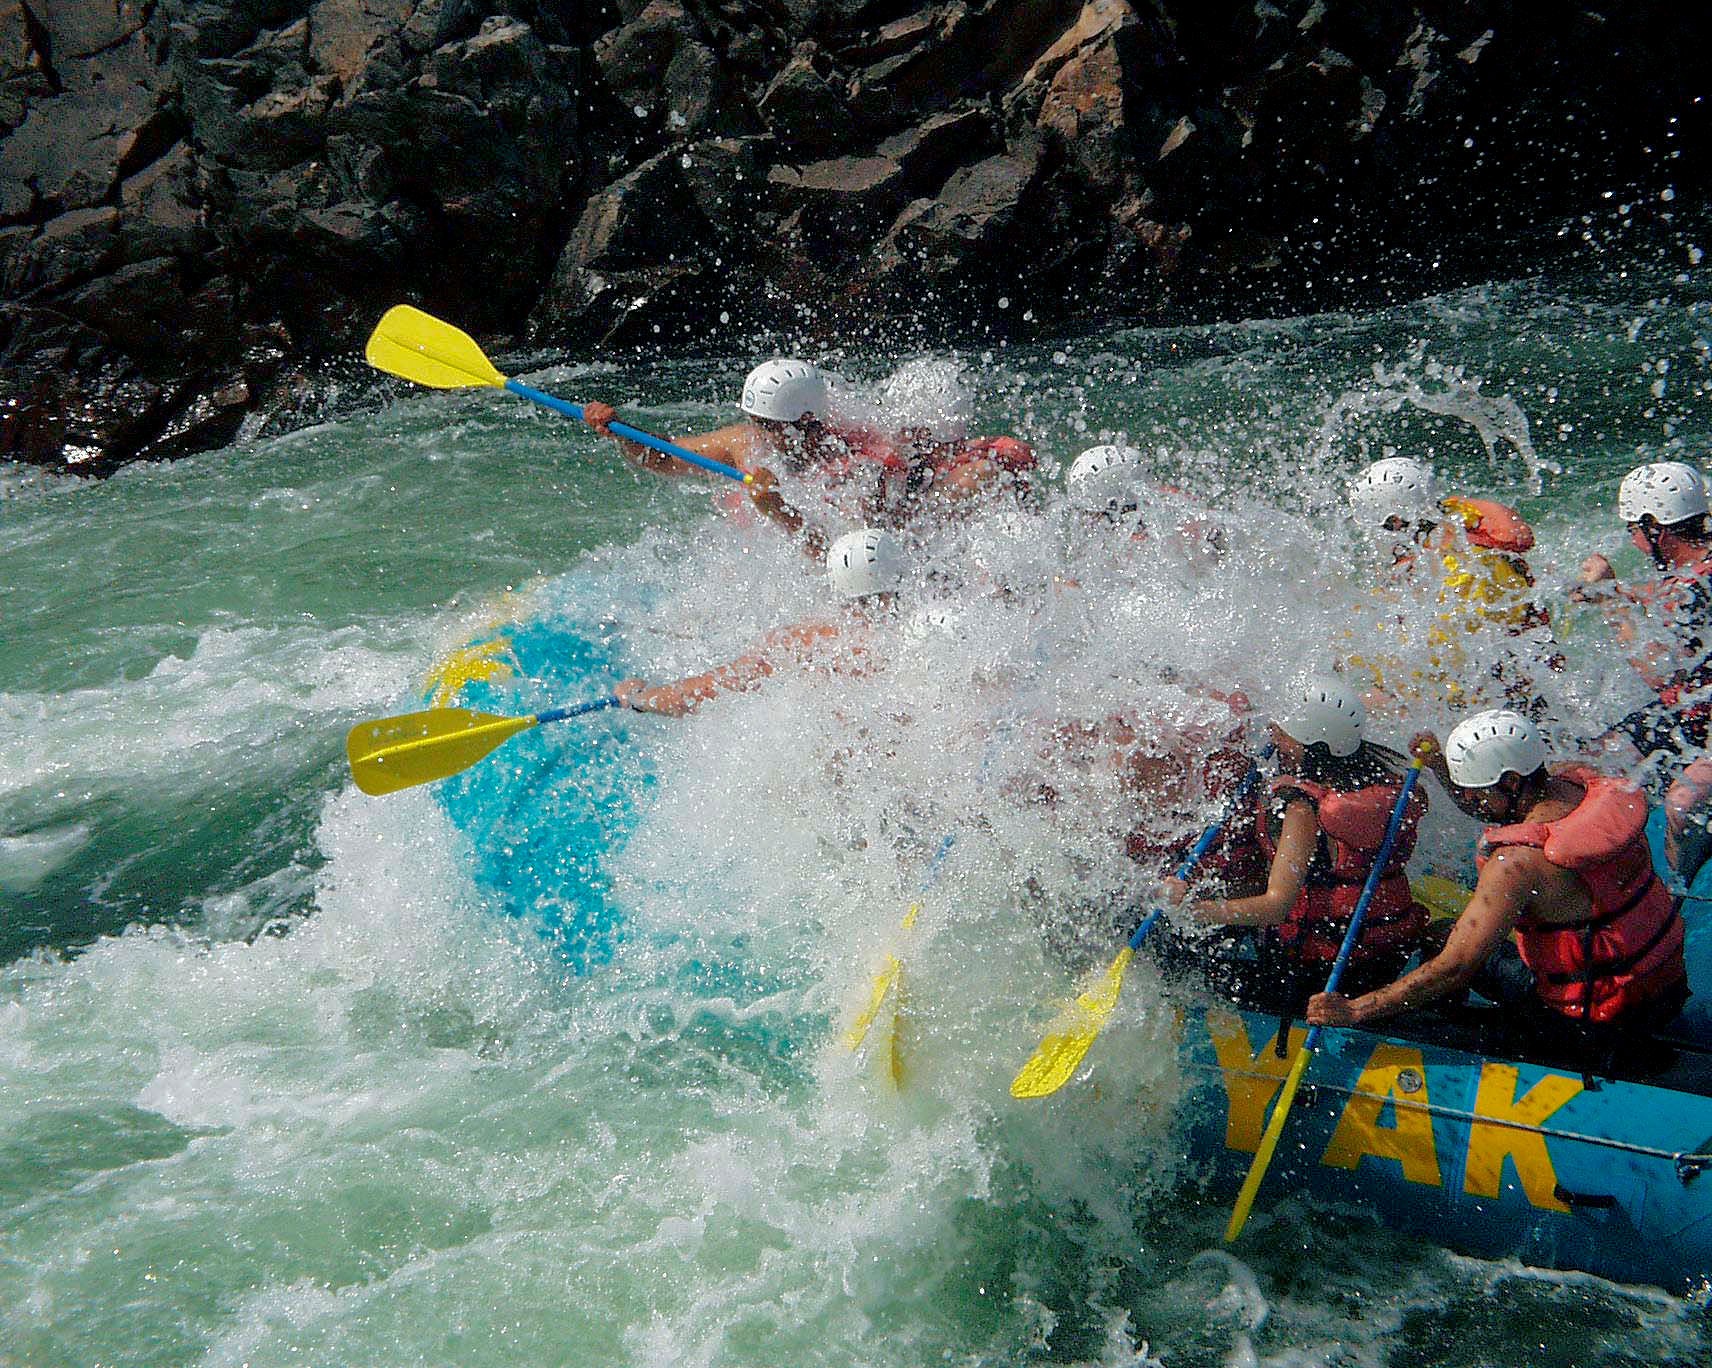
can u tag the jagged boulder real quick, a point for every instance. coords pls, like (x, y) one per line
(200, 197)
(836, 208)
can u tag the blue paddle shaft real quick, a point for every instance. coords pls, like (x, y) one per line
(1208, 836)
(624, 430)
(933, 865)
(576, 710)
(1374, 875)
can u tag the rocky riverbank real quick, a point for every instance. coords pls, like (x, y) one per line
(203, 203)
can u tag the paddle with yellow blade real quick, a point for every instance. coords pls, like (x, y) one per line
(392, 753)
(888, 983)
(419, 347)
(1287, 1094)
(1057, 1057)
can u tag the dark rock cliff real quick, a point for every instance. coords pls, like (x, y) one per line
(201, 199)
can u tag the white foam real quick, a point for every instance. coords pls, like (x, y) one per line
(27, 860)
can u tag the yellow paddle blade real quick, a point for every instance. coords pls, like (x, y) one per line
(1268, 1144)
(884, 982)
(1443, 898)
(417, 346)
(895, 1055)
(1057, 1057)
(482, 661)
(393, 753)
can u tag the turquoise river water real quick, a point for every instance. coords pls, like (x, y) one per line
(281, 1082)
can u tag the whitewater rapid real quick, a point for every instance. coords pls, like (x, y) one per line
(286, 1082)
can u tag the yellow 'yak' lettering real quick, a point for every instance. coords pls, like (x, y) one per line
(1251, 1078)
(1410, 1140)
(1488, 1145)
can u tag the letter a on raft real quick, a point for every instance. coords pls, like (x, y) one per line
(1504, 1125)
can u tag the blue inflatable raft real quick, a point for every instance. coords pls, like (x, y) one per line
(546, 814)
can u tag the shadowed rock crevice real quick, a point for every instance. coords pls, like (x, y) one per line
(202, 202)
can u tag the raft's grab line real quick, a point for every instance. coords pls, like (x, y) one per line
(1689, 1164)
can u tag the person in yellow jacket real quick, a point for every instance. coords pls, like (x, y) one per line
(1487, 638)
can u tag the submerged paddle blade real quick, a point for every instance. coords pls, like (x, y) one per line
(884, 982)
(482, 661)
(417, 346)
(1443, 898)
(395, 753)
(1056, 1059)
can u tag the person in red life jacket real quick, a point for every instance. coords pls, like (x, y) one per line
(1108, 484)
(788, 430)
(930, 405)
(1174, 766)
(1476, 548)
(1667, 627)
(866, 569)
(1566, 867)
(1321, 826)
(1177, 778)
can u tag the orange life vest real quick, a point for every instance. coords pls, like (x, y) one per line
(1491, 524)
(1009, 454)
(1629, 951)
(1235, 858)
(861, 447)
(1352, 828)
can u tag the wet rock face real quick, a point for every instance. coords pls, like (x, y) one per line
(200, 199)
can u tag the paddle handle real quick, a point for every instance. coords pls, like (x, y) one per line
(630, 434)
(938, 861)
(1374, 875)
(576, 710)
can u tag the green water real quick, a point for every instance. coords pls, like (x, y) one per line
(277, 1087)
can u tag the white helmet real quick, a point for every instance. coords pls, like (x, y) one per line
(786, 391)
(1326, 710)
(1399, 486)
(930, 393)
(1670, 491)
(1484, 748)
(869, 561)
(1105, 479)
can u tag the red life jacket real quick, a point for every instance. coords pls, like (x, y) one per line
(1008, 453)
(844, 458)
(1235, 859)
(1015, 457)
(1629, 951)
(1352, 828)
(1491, 524)
(1685, 599)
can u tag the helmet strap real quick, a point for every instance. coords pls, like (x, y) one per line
(1652, 533)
